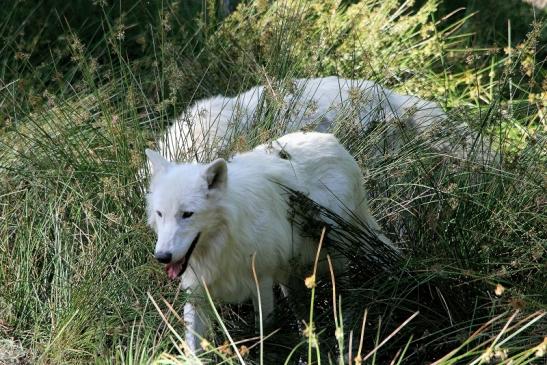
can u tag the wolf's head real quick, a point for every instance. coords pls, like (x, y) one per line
(183, 207)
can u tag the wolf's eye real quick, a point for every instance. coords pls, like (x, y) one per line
(185, 215)
(158, 213)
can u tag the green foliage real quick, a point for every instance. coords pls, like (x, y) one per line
(361, 40)
(488, 24)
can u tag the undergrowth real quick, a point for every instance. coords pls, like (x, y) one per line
(80, 102)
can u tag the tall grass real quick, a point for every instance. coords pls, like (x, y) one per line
(78, 281)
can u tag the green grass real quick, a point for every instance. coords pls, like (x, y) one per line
(82, 96)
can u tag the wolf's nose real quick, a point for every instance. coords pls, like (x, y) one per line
(163, 257)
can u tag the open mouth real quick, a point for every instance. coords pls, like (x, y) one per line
(176, 269)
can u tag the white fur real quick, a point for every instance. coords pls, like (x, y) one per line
(242, 210)
(205, 127)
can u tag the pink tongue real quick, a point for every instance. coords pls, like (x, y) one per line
(173, 270)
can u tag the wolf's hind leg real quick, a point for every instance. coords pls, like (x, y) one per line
(266, 301)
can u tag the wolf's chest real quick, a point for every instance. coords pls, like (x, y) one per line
(233, 287)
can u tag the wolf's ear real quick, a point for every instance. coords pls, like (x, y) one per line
(216, 174)
(159, 164)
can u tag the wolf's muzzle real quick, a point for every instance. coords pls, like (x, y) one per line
(163, 257)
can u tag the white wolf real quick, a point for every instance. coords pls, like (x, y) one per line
(320, 103)
(211, 218)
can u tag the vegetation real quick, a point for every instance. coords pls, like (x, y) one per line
(85, 86)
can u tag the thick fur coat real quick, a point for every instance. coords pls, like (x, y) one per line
(212, 218)
(316, 104)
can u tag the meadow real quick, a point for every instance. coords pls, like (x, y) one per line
(86, 86)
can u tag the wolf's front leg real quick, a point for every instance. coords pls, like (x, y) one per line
(195, 326)
(265, 286)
